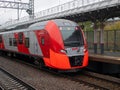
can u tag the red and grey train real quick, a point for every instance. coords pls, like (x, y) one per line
(58, 44)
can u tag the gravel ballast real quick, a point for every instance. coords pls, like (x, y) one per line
(39, 79)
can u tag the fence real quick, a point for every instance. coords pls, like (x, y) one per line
(111, 40)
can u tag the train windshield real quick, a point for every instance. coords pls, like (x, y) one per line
(72, 36)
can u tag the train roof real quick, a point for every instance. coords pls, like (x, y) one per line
(64, 22)
(41, 25)
(14, 31)
(59, 22)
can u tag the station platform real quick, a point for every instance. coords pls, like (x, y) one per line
(107, 63)
(107, 57)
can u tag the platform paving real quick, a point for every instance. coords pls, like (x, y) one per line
(107, 57)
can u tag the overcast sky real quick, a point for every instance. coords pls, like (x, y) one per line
(8, 14)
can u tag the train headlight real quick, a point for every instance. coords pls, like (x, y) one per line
(85, 48)
(63, 51)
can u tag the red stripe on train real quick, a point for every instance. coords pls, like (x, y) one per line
(21, 47)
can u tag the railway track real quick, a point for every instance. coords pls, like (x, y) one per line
(93, 81)
(105, 81)
(10, 82)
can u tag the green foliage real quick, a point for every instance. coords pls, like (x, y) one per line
(87, 25)
(112, 26)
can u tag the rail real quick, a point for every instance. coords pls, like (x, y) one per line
(84, 78)
(9, 82)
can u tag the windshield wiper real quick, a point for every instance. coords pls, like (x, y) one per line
(72, 43)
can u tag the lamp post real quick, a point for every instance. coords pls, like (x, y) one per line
(18, 1)
(59, 2)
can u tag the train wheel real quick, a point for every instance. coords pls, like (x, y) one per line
(0, 53)
(41, 64)
(9, 54)
(31, 59)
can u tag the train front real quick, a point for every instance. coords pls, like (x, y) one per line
(69, 49)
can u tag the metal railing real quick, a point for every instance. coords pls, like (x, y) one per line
(72, 7)
(111, 40)
(57, 9)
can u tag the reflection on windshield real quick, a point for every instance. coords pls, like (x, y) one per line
(72, 38)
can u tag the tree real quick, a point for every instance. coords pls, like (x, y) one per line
(112, 26)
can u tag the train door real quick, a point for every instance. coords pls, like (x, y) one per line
(45, 44)
(36, 43)
(39, 43)
(32, 42)
(20, 42)
(36, 46)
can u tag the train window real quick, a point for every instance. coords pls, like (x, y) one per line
(27, 42)
(10, 41)
(0, 39)
(14, 42)
(72, 36)
(43, 41)
(20, 38)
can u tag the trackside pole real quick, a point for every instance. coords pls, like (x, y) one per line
(95, 37)
(102, 37)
